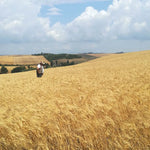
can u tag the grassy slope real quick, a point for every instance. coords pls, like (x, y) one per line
(100, 104)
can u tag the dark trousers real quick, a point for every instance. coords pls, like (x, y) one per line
(39, 74)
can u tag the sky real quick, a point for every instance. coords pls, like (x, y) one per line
(74, 26)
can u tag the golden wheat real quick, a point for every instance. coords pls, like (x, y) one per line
(99, 54)
(22, 60)
(101, 104)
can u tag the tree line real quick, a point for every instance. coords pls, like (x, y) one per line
(50, 56)
(4, 70)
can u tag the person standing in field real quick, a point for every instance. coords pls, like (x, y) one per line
(40, 69)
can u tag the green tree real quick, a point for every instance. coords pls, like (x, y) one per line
(18, 69)
(56, 62)
(52, 63)
(47, 65)
(29, 67)
(4, 70)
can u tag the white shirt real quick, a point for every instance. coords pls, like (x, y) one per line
(41, 68)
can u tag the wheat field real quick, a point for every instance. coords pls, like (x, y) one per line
(103, 104)
(22, 60)
(99, 54)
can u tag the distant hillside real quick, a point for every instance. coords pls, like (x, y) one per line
(102, 104)
(51, 57)
(22, 60)
(66, 59)
(29, 62)
(99, 54)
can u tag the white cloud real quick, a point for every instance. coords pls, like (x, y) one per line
(140, 26)
(19, 20)
(54, 11)
(124, 21)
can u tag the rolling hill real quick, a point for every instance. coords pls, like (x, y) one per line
(22, 60)
(100, 104)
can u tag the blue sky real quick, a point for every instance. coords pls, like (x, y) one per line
(68, 12)
(74, 26)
